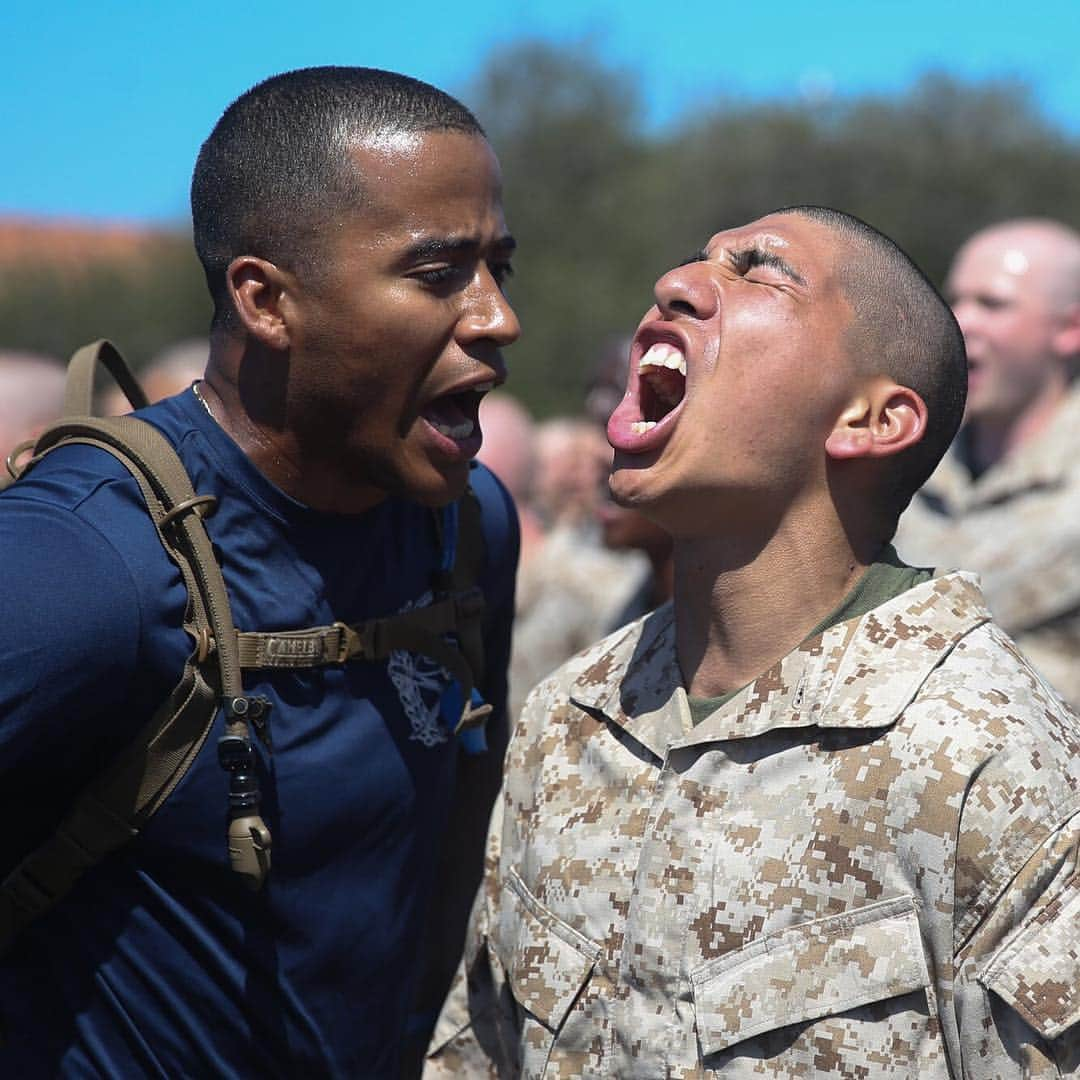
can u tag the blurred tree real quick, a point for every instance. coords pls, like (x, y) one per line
(568, 134)
(602, 206)
(142, 303)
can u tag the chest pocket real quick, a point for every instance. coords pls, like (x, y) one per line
(843, 994)
(547, 964)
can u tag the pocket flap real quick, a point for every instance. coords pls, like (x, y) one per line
(811, 970)
(546, 960)
(1037, 972)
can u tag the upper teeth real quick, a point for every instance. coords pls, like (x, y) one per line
(663, 355)
(454, 431)
(484, 387)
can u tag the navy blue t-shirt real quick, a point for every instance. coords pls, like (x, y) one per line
(161, 962)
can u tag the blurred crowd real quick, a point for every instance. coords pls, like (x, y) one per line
(587, 565)
(1005, 503)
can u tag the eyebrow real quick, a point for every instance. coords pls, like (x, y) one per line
(749, 257)
(437, 247)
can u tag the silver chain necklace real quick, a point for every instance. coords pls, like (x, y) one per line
(202, 401)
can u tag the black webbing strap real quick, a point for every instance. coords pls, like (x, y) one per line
(471, 554)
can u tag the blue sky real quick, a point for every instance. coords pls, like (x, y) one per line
(104, 105)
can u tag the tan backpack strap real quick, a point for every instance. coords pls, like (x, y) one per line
(336, 644)
(110, 812)
(423, 630)
(112, 809)
(165, 486)
(82, 367)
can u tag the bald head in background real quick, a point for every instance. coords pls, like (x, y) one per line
(1015, 290)
(31, 396)
(1005, 502)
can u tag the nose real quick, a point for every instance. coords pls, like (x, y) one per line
(687, 290)
(488, 314)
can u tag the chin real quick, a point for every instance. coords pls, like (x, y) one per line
(630, 489)
(440, 490)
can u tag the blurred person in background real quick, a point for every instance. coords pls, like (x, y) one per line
(576, 588)
(625, 529)
(1005, 501)
(572, 587)
(31, 397)
(509, 451)
(571, 454)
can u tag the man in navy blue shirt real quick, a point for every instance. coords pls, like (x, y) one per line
(350, 225)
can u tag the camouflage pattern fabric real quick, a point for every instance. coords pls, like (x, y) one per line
(864, 865)
(1018, 527)
(568, 593)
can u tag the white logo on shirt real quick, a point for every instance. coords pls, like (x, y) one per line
(420, 682)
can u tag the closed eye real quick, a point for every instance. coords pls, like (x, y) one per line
(439, 275)
(749, 258)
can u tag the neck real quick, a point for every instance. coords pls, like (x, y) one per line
(993, 438)
(662, 564)
(277, 455)
(223, 405)
(741, 606)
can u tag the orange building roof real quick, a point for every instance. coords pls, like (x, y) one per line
(73, 244)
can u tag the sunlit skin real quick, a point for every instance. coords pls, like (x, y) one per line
(776, 433)
(333, 380)
(1015, 291)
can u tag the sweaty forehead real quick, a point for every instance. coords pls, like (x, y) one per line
(810, 247)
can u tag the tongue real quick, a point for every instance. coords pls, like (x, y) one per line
(446, 415)
(667, 385)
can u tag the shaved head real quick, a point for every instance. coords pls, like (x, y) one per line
(901, 327)
(1015, 289)
(1043, 251)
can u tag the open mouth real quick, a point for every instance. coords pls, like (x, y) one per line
(456, 416)
(661, 385)
(648, 413)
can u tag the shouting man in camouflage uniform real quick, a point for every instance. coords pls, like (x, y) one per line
(817, 816)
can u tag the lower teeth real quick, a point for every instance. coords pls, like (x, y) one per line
(639, 427)
(454, 431)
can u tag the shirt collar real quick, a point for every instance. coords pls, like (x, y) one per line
(858, 674)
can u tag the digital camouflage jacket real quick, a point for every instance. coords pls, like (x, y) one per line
(1018, 527)
(864, 865)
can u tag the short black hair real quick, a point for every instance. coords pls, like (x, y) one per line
(901, 327)
(276, 164)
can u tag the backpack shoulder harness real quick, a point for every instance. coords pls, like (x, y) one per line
(116, 805)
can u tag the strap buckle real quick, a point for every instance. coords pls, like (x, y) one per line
(349, 643)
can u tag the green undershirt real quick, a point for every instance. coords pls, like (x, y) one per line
(882, 581)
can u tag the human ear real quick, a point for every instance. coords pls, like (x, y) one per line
(257, 289)
(884, 419)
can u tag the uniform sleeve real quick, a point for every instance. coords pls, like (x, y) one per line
(477, 1031)
(1017, 990)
